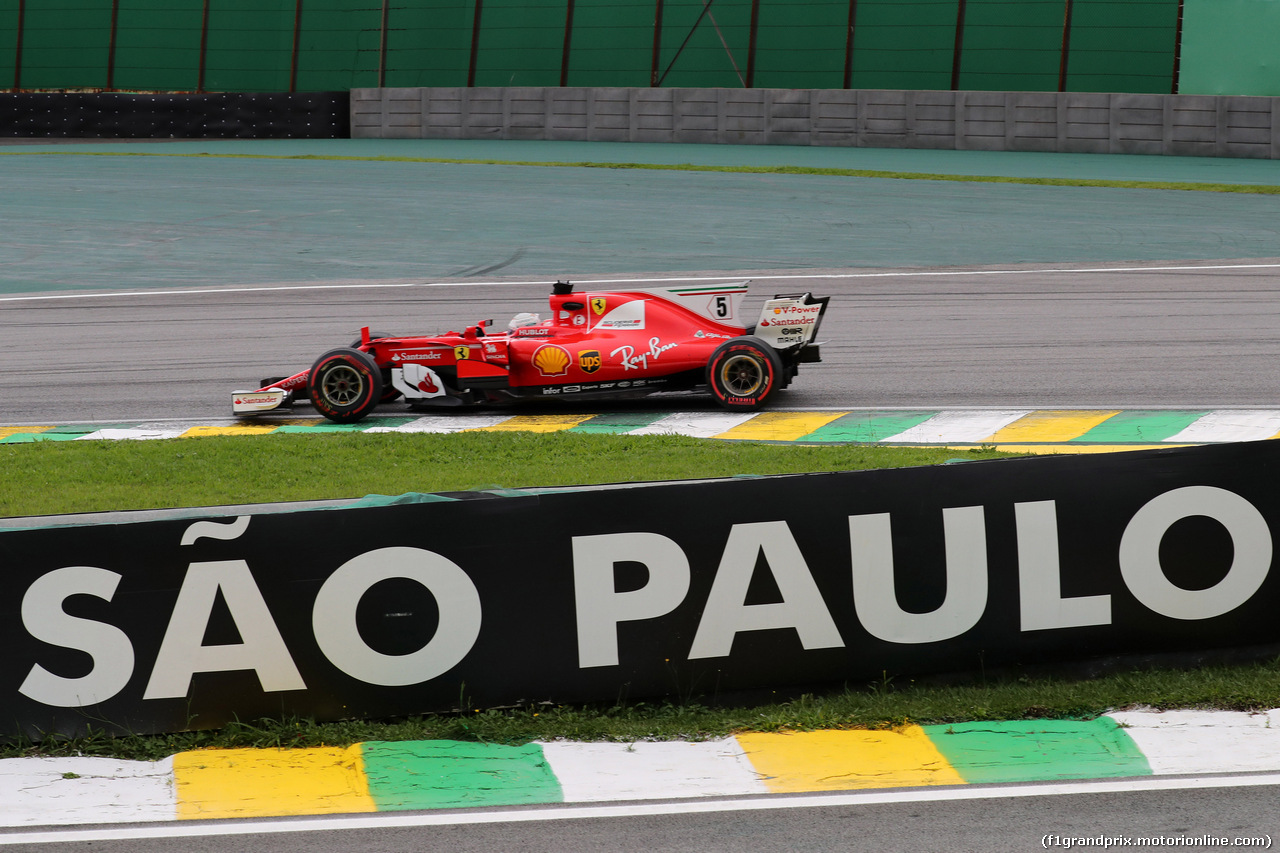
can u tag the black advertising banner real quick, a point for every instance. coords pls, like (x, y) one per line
(686, 589)
(159, 115)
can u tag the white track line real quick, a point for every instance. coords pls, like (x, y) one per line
(693, 424)
(961, 427)
(390, 820)
(1230, 425)
(649, 280)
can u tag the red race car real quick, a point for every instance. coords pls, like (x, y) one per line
(597, 343)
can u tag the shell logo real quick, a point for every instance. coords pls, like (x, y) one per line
(551, 360)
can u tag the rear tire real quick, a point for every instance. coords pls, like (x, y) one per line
(743, 372)
(345, 385)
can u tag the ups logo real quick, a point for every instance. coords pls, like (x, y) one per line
(589, 360)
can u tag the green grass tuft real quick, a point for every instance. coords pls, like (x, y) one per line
(53, 477)
(884, 704)
(1191, 186)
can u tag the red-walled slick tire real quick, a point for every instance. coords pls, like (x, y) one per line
(345, 385)
(743, 372)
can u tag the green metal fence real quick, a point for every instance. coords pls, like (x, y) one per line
(323, 45)
(1232, 49)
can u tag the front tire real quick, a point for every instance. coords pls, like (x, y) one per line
(743, 372)
(345, 385)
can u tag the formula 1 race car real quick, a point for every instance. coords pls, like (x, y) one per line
(597, 344)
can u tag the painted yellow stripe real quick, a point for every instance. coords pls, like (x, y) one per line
(6, 431)
(843, 760)
(538, 423)
(221, 783)
(1050, 449)
(782, 426)
(1053, 425)
(250, 427)
(238, 429)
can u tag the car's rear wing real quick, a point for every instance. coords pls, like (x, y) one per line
(791, 320)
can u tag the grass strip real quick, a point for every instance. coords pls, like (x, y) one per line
(56, 477)
(1186, 186)
(884, 704)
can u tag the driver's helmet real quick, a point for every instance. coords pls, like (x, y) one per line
(524, 319)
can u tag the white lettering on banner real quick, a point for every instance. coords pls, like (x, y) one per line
(727, 613)
(631, 361)
(1140, 552)
(333, 618)
(224, 530)
(183, 653)
(106, 645)
(875, 598)
(1041, 604)
(600, 607)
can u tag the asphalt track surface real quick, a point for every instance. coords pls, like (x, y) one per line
(143, 285)
(149, 287)
(991, 819)
(1127, 335)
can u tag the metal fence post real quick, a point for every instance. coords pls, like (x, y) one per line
(111, 44)
(657, 44)
(848, 44)
(204, 46)
(382, 45)
(568, 41)
(17, 52)
(297, 36)
(959, 48)
(475, 45)
(1066, 46)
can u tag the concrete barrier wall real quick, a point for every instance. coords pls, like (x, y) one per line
(1081, 122)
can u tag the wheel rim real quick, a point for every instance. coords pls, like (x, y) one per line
(742, 375)
(342, 385)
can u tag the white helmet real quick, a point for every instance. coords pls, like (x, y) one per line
(524, 319)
